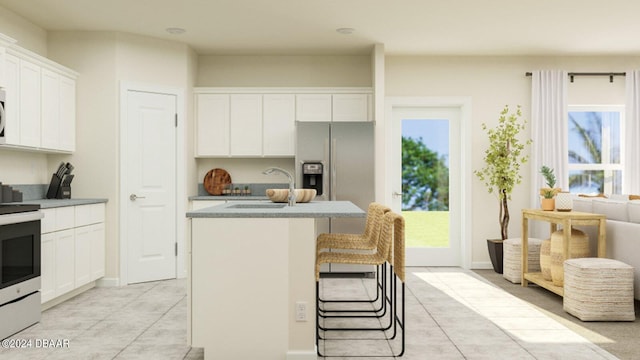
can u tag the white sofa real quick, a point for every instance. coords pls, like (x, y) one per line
(623, 229)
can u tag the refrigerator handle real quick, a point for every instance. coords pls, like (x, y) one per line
(334, 172)
(325, 175)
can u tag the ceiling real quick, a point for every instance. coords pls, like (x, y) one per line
(405, 27)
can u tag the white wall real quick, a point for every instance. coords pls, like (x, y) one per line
(104, 60)
(29, 35)
(493, 82)
(286, 71)
(247, 170)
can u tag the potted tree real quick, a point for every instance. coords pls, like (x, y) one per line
(501, 172)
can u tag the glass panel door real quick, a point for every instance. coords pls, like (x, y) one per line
(428, 158)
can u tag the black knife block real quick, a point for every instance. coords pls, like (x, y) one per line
(58, 189)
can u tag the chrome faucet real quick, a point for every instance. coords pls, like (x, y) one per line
(292, 191)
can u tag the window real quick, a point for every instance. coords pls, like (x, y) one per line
(595, 142)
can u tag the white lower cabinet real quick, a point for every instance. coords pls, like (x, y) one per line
(65, 266)
(72, 248)
(82, 261)
(47, 267)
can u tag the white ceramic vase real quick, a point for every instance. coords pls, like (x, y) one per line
(564, 201)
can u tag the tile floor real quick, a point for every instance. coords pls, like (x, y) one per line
(451, 314)
(457, 314)
(142, 321)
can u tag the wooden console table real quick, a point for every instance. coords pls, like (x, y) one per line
(566, 219)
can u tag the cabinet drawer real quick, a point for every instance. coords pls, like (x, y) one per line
(48, 222)
(57, 219)
(65, 218)
(89, 214)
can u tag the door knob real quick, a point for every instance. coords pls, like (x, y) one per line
(133, 197)
(396, 194)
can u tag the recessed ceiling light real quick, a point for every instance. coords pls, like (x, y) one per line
(175, 30)
(346, 31)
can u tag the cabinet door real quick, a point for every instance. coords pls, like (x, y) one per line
(50, 125)
(12, 107)
(350, 107)
(30, 100)
(47, 267)
(279, 126)
(313, 107)
(83, 240)
(212, 125)
(65, 261)
(246, 125)
(97, 251)
(3, 79)
(67, 114)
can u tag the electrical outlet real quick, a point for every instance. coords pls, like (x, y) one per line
(301, 311)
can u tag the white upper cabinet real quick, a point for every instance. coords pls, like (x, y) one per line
(30, 104)
(260, 122)
(3, 79)
(350, 107)
(67, 114)
(41, 102)
(278, 123)
(333, 107)
(313, 107)
(246, 125)
(212, 124)
(12, 108)
(50, 133)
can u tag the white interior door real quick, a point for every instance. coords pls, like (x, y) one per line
(150, 187)
(427, 146)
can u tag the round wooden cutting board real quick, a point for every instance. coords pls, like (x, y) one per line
(215, 180)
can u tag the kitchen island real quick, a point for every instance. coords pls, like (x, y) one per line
(251, 278)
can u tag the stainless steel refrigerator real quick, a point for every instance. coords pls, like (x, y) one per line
(346, 152)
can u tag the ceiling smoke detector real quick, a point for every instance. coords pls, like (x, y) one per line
(175, 30)
(345, 31)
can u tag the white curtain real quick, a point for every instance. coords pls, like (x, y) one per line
(632, 133)
(549, 132)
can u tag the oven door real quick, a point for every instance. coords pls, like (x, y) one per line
(19, 254)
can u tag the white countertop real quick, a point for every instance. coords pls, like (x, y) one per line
(314, 209)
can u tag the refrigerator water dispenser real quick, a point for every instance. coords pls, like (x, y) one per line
(312, 176)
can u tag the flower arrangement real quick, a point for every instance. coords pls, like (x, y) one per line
(550, 191)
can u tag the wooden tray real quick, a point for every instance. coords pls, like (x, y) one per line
(215, 180)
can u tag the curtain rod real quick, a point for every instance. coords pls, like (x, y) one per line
(609, 74)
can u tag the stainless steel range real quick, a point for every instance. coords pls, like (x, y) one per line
(19, 267)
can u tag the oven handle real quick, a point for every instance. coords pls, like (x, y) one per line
(20, 217)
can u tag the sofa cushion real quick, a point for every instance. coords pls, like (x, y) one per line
(633, 208)
(582, 204)
(612, 209)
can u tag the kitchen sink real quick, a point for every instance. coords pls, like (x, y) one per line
(257, 206)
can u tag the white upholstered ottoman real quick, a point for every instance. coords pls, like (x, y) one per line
(598, 289)
(512, 258)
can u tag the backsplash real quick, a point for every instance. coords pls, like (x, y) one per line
(31, 192)
(256, 189)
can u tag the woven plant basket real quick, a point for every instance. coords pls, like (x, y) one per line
(578, 248)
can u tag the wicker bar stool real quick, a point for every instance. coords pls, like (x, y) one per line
(365, 241)
(390, 248)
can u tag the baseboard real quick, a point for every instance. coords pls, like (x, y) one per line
(64, 297)
(301, 355)
(481, 265)
(108, 282)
